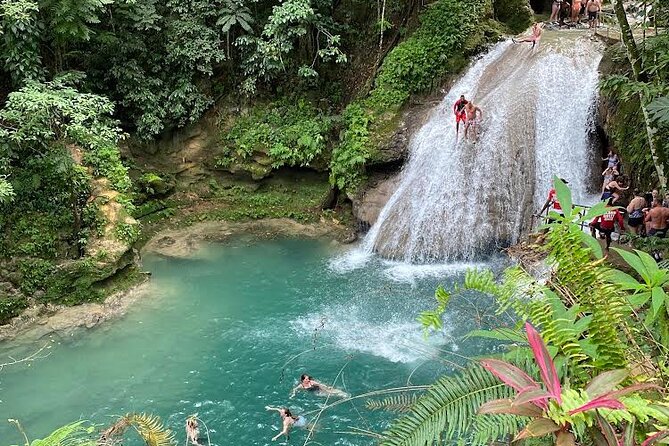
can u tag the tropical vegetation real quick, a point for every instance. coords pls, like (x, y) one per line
(599, 351)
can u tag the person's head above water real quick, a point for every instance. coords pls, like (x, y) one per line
(304, 377)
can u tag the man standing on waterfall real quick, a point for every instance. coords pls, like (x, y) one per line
(460, 114)
(474, 116)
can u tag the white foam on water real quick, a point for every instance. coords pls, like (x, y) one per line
(349, 328)
(460, 201)
(409, 273)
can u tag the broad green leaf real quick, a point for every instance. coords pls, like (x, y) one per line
(505, 406)
(623, 279)
(649, 262)
(537, 428)
(659, 109)
(605, 382)
(635, 262)
(659, 297)
(565, 438)
(639, 299)
(592, 243)
(564, 197)
(595, 211)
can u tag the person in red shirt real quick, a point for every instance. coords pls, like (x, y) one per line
(606, 223)
(553, 202)
(460, 114)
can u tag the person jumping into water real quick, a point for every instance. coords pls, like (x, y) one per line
(288, 420)
(460, 114)
(310, 384)
(537, 30)
(474, 116)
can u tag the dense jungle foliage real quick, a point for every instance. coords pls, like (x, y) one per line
(304, 83)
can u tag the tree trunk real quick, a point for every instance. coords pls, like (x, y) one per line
(637, 69)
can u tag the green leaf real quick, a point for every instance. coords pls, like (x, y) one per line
(605, 382)
(564, 197)
(499, 334)
(639, 299)
(659, 109)
(623, 279)
(537, 428)
(592, 243)
(635, 262)
(659, 297)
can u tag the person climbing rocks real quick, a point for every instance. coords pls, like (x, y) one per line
(460, 114)
(310, 384)
(612, 160)
(606, 223)
(613, 189)
(537, 31)
(609, 174)
(474, 116)
(288, 420)
(635, 212)
(657, 219)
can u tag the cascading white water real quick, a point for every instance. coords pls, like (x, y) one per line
(457, 200)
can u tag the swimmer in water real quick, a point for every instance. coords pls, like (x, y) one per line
(288, 420)
(192, 430)
(310, 384)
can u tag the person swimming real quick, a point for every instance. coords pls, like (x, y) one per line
(192, 430)
(308, 383)
(288, 420)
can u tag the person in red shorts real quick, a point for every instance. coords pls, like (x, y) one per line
(460, 113)
(606, 223)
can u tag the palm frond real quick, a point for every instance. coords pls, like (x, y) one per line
(148, 426)
(395, 403)
(447, 410)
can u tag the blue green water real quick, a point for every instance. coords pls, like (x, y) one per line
(228, 332)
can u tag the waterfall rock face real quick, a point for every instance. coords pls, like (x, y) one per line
(460, 200)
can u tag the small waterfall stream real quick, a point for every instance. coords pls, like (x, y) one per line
(457, 200)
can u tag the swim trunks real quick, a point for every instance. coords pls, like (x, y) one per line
(461, 117)
(300, 422)
(592, 15)
(635, 221)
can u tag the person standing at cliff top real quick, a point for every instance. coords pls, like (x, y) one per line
(459, 110)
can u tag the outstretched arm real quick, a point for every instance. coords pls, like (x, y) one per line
(294, 391)
(548, 203)
(284, 431)
(278, 409)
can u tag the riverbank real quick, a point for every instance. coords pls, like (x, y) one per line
(42, 320)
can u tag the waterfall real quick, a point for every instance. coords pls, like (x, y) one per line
(457, 200)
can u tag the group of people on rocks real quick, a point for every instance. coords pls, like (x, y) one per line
(576, 11)
(647, 213)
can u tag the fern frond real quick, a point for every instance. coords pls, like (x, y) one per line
(489, 428)
(448, 410)
(396, 403)
(151, 429)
